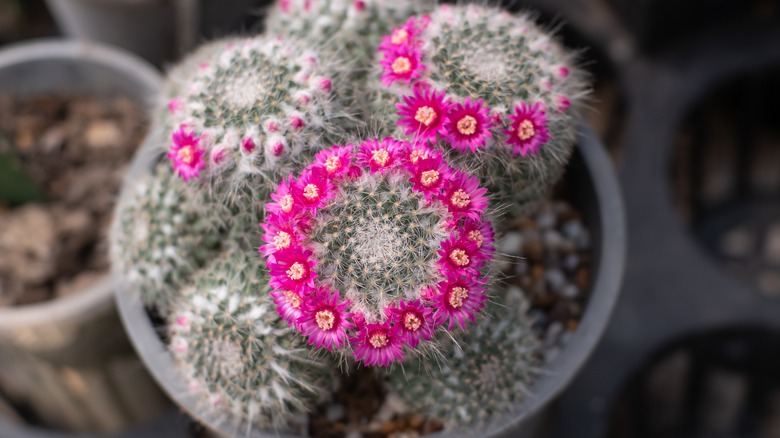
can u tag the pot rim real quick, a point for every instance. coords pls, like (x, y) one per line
(97, 297)
(605, 290)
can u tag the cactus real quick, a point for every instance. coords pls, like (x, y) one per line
(348, 30)
(495, 91)
(255, 111)
(240, 359)
(373, 248)
(163, 232)
(485, 375)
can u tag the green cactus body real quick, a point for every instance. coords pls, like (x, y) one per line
(508, 102)
(485, 374)
(240, 358)
(164, 231)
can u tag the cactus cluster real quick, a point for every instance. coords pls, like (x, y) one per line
(494, 90)
(376, 252)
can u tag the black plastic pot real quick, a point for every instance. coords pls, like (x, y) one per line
(68, 360)
(673, 287)
(594, 190)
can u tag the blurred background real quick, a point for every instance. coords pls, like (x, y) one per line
(685, 100)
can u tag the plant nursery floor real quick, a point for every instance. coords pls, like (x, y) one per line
(62, 161)
(549, 255)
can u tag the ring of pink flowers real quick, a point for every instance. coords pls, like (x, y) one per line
(428, 293)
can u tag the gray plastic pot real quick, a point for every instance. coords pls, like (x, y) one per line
(595, 191)
(68, 360)
(158, 30)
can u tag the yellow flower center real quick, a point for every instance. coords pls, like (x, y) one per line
(325, 319)
(467, 125)
(476, 236)
(429, 177)
(296, 271)
(412, 322)
(459, 257)
(332, 164)
(380, 157)
(186, 154)
(378, 340)
(293, 299)
(402, 65)
(525, 130)
(425, 115)
(282, 240)
(417, 155)
(311, 192)
(286, 203)
(399, 36)
(457, 296)
(460, 199)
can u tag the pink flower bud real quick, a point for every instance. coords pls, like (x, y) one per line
(248, 145)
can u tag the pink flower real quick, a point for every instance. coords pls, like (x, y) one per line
(380, 156)
(423, 115)
(377, 344)
(419, 150)
(459, 300)
(185, 154)
(481, 233)
(292, 269)
(325, 320)
(413, 320)
(528, 130)
(468, 125)
(460, 256)
(403, 64)
(289, 305)
(312, 190)
(463, 196)
(336, 161)
(430, 175)
(280, 234)
(285, 205)
(401, 36)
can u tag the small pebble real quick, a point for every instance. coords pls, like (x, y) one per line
(510, 243)
(555, 279)
(571, 262)
(570, 291)
(553, 240)
(546, 220)
(572, 229)
(738, 242)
